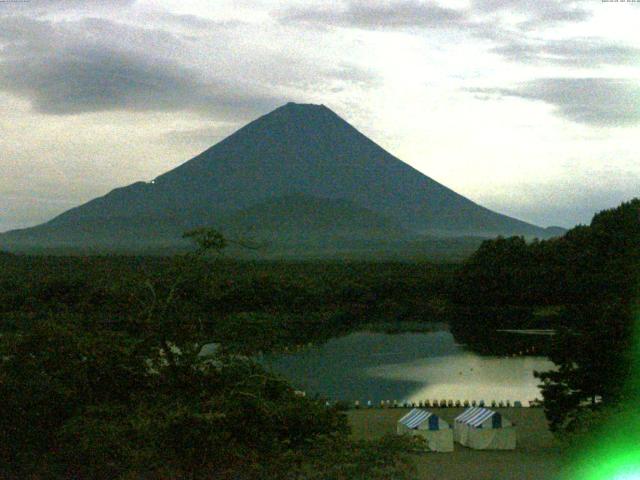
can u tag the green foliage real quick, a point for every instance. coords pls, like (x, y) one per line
(206, 239)
(192, 294)
(495, 273)
(103, 376)
(589, 263)
(49, 373)
(80, 402)
(592, 273)
(593, 358)
(594, 353)
(511, 272)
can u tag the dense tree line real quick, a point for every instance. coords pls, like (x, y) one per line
(588, 262)
(292, 303)
(588, 281)
(84, 402)
(102, 371)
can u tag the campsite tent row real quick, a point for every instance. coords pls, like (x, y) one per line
(478, 428)
(436, 432)
(484, 429)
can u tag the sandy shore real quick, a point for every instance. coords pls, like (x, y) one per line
(537, 455)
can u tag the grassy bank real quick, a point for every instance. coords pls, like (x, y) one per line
(537, 455)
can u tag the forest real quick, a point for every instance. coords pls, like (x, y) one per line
(103, 372)
(584, 285)
(247, 306)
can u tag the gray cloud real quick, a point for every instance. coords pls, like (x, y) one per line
(520, 42)
(377, 15)
(420, 13)
(593, 101)
(92, 64)
(306, 76)
(516, 43)
(54, 6)
(575, 52)
(92, 79)
(484, 19)
(539, 12)
(195, 22)
(84, 73)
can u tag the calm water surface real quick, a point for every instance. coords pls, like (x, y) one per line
(407, 367)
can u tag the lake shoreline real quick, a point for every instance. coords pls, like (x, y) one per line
(428, 368)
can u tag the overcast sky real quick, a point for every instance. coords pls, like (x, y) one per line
(531, 108)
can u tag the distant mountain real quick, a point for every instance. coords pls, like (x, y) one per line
(299, 171)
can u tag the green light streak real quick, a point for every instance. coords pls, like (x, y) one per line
(615, 451)
(617, 463)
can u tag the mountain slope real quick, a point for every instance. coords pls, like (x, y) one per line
(294, 150)
(302, 218)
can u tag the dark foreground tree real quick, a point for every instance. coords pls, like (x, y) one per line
(593, 363)
(589, 278)
(594, 350)
(82, 401)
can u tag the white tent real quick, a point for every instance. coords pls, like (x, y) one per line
(484, 429)
(436, 432)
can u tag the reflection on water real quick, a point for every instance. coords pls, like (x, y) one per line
(407, 367)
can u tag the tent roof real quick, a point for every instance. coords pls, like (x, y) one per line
(475, 416)
(416, 417)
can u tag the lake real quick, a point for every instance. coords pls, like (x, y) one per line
(408, 367)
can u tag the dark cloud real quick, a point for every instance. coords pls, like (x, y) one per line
(92, 79)
(93, 64)
(602, 102)
(66, 68)
(376, 15)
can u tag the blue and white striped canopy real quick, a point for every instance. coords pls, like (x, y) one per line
(476, 416)
(417, 417)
